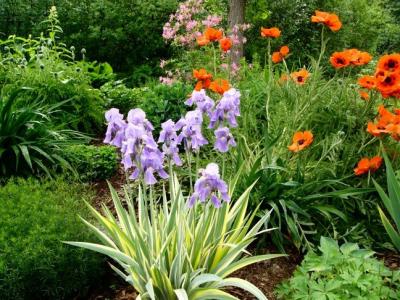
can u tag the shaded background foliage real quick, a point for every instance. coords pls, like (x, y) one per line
(127, 33)
(123, 33)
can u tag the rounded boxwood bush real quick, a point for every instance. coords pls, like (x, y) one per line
(92, 162)
(36, 216)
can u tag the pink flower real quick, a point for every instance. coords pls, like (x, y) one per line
(162, 63)
(166, 80)
(212, 21)
(191, 24)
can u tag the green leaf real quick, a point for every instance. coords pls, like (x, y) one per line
(243, 284)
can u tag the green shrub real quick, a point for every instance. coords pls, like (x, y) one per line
(160, 102)
(48, 70)
(344, 272)
(118, 95)
(92, 162)
(34, 263)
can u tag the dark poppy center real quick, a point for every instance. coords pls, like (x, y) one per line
(300, 79)
(391, 64)
(340, 61)
(301, 142)
(388, 80)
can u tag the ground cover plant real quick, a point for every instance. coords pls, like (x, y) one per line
(345, 272)
(35, 217)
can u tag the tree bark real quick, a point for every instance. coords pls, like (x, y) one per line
(237, 16)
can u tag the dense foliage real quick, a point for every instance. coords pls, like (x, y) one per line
(50, 75)
(160, 102)
(35, 217)
(92, 162)
(30, 142)
(124, 33)
(345, 272)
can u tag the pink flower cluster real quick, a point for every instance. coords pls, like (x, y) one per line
(237, 35)
(185, 25)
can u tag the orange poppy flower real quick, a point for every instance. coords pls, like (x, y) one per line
(340, 60)
(213, 34)
(364, 95)
(203, 79)
(301, 140)
(366, 165)
(273, 32)
(390, 62)
(201, 74)
(357, 57)
(387, 123)
(300, 77)
(276, 57)
(284, 51)
(387, 82)
(220, 86)
(225, 44)
(363, 58)
(367, 82)
(202, 40)
(329, 19)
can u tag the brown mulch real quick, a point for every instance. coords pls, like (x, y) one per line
(102, 191)
(267, 275)
(391, 259)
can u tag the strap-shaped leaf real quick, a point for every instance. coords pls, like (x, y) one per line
(244, 285)
(181, 294)
(393, 234)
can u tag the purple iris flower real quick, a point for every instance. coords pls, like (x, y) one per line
(138, 117)
(208, 185)
(224, 139)
(115, 128)
(190, 127)
(152, 162)
(136, 138)
(140, 152)
(169, 138)
(204, 103)
(227, 109)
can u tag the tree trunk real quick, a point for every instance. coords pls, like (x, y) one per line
(236, 16)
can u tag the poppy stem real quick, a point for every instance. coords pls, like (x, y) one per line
(215, 60)
(269, 83)
(323, 47)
